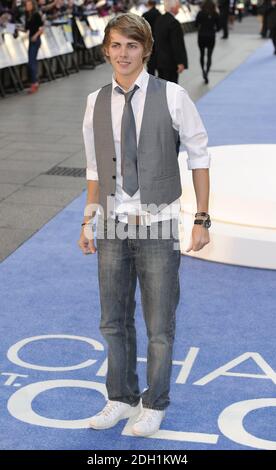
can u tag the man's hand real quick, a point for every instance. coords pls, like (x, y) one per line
(87, 245)
(199, 238)
(180, 68)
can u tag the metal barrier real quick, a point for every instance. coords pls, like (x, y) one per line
(67, 45)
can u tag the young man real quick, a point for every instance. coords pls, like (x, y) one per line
(132, 130)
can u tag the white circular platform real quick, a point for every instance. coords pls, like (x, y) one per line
(242, 205)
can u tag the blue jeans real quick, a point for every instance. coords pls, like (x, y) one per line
(155, 262)
(32, 55)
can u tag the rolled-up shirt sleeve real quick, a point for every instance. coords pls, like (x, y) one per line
(187, 121)
(88, 137)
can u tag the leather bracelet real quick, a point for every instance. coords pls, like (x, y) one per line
(202, 214)
(87, 223)
(198, 222)
(204, 222)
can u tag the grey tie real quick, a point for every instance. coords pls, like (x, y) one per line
(129, 145)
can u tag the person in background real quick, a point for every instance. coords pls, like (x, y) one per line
(151, 16)
(171, 56)
(271, 22)
(5, 12)
(240, 10)
(34, 25)
(224, 6)
(207, 22)
(232, 9)
(264, 10)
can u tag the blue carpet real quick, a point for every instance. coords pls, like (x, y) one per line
(47, 287)
(241, 108)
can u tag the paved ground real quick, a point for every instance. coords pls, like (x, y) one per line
(40, 131)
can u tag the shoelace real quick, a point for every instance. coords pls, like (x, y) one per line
(109, 408)
(147, 415)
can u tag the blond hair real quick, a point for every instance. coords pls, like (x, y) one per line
(133, 27)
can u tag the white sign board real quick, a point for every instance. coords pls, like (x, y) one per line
(5, 59)
(65, 47)
(95, 31)
(86, 34)
(49, 47)
(17, 49)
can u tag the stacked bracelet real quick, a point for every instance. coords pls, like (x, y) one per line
(202, 214)
(205, 221)
(93, 225)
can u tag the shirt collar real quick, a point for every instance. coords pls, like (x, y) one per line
(141, 81)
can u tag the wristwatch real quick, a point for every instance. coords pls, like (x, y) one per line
(206, 222)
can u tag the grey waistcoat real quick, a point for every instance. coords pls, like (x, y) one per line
(157, 157)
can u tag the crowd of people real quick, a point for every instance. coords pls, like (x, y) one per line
(169, 56)
(13, 10)
(31, 15)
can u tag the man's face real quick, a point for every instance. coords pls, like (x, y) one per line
(175, 8)
(125, 54)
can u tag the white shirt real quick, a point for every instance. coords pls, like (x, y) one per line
(185, 119)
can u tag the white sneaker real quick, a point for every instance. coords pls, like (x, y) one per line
(112, 413)
(148, 422)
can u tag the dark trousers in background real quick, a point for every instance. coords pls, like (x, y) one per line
(169, 75)
(206, 43)
(264, 29)
(151, 64)
(273, 38)
(224, 15)
(32, 57)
